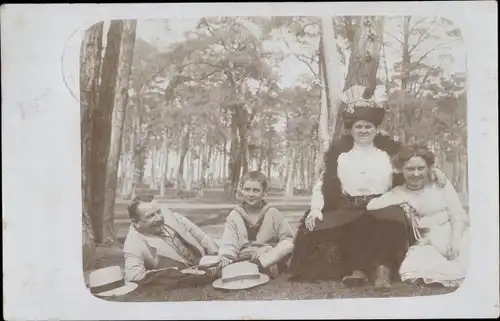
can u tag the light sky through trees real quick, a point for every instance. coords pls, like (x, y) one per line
(156, 33)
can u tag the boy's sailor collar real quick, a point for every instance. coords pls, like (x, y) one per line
(241, 209)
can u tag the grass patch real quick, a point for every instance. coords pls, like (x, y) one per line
(277, 289)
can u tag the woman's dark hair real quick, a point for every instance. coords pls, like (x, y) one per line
(349, 123)
(415, 150)
(132, 208)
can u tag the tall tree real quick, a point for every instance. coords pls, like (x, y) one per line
(119, 113)
(330, 71)
(102, 124)
(90, 62)
(364, 58)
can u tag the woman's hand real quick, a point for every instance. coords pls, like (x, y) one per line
(311, 219)
(452, 250)
(410, 203)
(438, 177)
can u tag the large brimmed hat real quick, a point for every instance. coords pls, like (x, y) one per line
(360, 105)
(239, 276)
(109, 281)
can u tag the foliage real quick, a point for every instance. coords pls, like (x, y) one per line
(229, 66)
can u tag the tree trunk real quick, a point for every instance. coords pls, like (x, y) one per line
(312, 167)
(226, 166)
(210, 159)
(129, 150)
(302, 168)
(88, 241)
(90, 57)
(189, 174)
(269, 157)
(125, 57)
(163, 165)
(184, 151)
(134, 156)
(234, 165)
(401, 124)
(142, 166)
(260, 163)
(217, 164)
(463, 174)
(154, 167)
(405, 68)
(330, 79)
(244, 148)
(364, 58)
(166, 163)
(323, 124)
(103, 125)
(205, 164)
(290, 172)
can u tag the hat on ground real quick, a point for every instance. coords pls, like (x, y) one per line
(239, 276)
(360, 105)
(109, 281)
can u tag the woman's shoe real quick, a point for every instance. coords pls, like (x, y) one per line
(382, 281)
(357, 278)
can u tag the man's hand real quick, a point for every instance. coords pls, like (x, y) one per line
(311, 219)
(223, 262)
(159, 275)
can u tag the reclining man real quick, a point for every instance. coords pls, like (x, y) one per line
(159, 239)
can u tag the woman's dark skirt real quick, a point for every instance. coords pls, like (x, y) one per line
(371, 239)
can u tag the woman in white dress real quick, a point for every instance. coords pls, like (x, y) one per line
(439, 222)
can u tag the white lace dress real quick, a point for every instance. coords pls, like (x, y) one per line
(434, 212)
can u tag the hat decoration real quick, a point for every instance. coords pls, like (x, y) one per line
(361, 105)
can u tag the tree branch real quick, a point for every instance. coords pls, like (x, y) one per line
(297, 56)
(419, 60)
(422, 37)
(393, 37)
(416, 24)
(417, 94)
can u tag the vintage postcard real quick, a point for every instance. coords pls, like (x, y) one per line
(250, 161)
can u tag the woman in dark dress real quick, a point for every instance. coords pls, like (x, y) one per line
(346, 241)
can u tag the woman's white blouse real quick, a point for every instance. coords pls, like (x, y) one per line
(365, 171)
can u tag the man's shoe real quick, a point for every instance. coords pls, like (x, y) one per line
(357, 278)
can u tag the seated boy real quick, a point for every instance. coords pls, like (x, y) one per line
(256, 230)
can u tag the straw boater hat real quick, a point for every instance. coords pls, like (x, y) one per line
(109, 281)
(361, 105)
(239, 276)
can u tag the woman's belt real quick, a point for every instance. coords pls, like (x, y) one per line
(358, 201)
(432, 220)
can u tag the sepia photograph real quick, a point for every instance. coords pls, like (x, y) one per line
(274, 158)
(250, 161)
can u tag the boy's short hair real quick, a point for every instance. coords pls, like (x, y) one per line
(255, 176)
